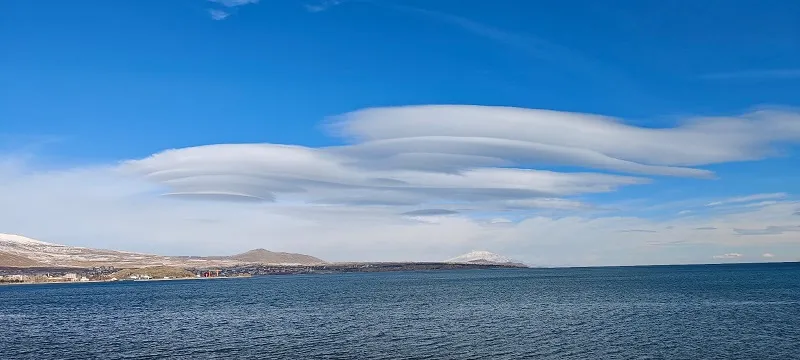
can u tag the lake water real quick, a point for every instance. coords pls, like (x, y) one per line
(674, 312)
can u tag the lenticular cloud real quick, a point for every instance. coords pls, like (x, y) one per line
(312, 175)
(453, 153)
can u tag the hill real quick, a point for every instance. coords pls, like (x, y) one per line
(263, 256)
(484, 257)
(155, 272)
(30, 252)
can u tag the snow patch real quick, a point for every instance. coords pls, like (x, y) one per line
(22, 240)
(481, 256)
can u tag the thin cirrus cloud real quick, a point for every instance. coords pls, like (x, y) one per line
(321, 6)
(769, 230)
(728, 256)
(548, 203)
(749, 198)
(527, 44)
(530, 45)
(234, 3)
(228, 5)
(217, 14)
(761, 74)
(430, 212)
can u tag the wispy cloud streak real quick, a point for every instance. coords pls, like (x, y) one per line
(770, 74)
(234, 3)
(322, 5)
(218, 14)
(531, 45)
(222, 14)
(748, 198)
(769, 230)
(561, 57)
(728, 256)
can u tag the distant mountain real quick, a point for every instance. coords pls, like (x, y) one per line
(269, 257)
(483, 257)
(16, 249)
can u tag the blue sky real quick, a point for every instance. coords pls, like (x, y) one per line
(95, 88)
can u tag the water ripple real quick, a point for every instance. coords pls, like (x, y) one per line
(744, 312)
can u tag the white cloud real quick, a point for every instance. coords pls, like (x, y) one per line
(769, 230)
(430, 212)
(767, 255)
(547, 203)
(106, 207)
(705, 228)
(761, 203)
(499, 221)
(218, 14)
(234, 3)
(374, 200)
(537, 137)
(728, 256)
(322, 5)
(749, 198)
(264, 171)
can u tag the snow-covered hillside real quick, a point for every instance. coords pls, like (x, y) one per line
(480, 256)
(59, 255)
(20, 240)
(56, 255)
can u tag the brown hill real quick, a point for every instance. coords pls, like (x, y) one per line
(155, 272)
(11, 260)
(263, 256)
(39, 253)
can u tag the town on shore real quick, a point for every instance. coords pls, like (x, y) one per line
(20, 275)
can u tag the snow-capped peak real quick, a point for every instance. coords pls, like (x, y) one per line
(21, 240)
(481, 256)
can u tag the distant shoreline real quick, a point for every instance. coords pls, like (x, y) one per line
(156, 273)
(257, 270)
(119, 281)
(54, 268)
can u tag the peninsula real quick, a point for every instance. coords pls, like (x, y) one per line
(24, 260)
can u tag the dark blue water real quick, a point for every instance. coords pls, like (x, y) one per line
(682, 312)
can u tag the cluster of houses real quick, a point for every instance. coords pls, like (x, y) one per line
(30, 275)
(137, 277)
(67, 277)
